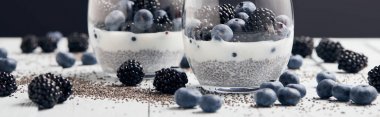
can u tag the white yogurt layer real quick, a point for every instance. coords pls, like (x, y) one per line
(116, 41)
(223, 51)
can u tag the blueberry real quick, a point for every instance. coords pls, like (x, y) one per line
(236, 24)
(126, 6)
(325, 75)
(289, 77)
(114, 20)
(66, 60)
(246, 6)
(143, 19)
(284, 19)
(7, 65)
(55, 35)
(265, 97)
(242, 15)
(210, 103)
(363, 94)
(187, 97)
(324, 88)
(341, 92)
(191, 26)
(222, 32)
(288, 96)
(3, 53)
(275, 86)
(89, 59)
(295, 62)
(177, 24)
(160, 13)
(301, 88)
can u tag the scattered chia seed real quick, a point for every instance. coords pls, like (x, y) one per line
(247, 73)
(134, 39)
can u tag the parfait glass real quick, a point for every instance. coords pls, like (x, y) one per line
(233, 46)
(148, 31)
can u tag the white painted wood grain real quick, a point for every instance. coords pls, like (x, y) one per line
(310, 106)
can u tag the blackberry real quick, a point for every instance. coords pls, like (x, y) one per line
(151, 5)
(203, 33)
(48, 44)
(352, 62)
(29, 43)
(303, 46)
(168, 80)
(226, 13)
(44, 92)
(163, 24)
(374, 78)
(7, 84)
(262, 20)
(329, 50)
(64, 85)
(130, 73)
(78, 42)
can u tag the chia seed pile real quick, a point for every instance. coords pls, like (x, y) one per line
(247, 73)
(151, 60)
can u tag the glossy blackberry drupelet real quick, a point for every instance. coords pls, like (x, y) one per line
(64, 85)
(329, 50)
(163, 24)
(226, 13)
(151, 5)
(44, 92)
(303, 46)
(352, 62)
(168, 80)
(78, 42)
(7, 84)
(48, 44)
(374, 78)
(29, 43)
(261, 20)
(130, 73)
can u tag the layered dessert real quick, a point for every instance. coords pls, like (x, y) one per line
(148, 31)
(233, 47)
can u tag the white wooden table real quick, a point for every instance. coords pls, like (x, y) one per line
(19, 105)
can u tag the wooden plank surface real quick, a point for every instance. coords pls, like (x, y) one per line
(235, 105)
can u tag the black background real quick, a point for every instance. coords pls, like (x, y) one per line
(318, 18)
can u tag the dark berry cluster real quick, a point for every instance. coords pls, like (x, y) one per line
(303, 46)
(46, 90)
(168, 80)
(329, 50)
(7, 84)
(374, 78)
(262, 20)
(130, 73)
(352, 62)
(78, 42)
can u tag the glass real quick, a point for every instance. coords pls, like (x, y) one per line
(149, 31)
(233, 46)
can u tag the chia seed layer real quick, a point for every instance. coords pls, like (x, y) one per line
(151, 60)
(247, 73)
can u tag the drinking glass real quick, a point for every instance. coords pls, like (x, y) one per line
(233, 46)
